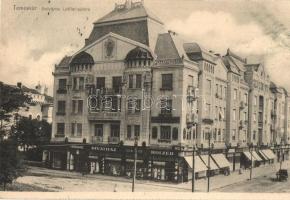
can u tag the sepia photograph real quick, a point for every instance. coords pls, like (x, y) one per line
(190, 97)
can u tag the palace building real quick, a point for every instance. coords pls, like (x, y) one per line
(136, 87)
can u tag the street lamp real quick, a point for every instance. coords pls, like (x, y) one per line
(251, 152)
(281, 156)
(135, 159)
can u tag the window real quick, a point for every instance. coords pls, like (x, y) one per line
(74, 105)
(246, 98)
(81, 83)
(131, 79)
(75, 83)
(154, 132)
(234, 134)
(167, 81)
(117, 82)
(235, 94)
(80, 106)
(166, 106)
(225, 92)
(114, 104)
(221, 91)
(254, 117)
(208, 86)
(115, 130)
(61, 107)
(165, 132)
(190, 80)
(138, 106)
(175, 133)
(254, 135)
(184, 134)
(234, 114)
(62, 84)
(255, 100)
(79, 129)
(129, 135)
(193, 134)
(101, 82)
(138, 80)
(60, 129)
(131, 104)
(99, 130)
(245, 116)
(137, 131)
(73, 127)
(207, 110)
(217, 90)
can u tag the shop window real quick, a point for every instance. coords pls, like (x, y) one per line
(99, 130)
(100, 82)
(175, 133)
(60, 129)
(138, 80)
(137, 131)
(167, 80)
(154, 132)
(165, 132)
(129, 135)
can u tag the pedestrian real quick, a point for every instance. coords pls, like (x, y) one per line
(115, 188)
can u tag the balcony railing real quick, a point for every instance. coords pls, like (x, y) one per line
(113, 139)
(168, 141)
(104, 116)
(97, 139)
(61, 91)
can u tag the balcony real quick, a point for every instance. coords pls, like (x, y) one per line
(61, 91)
(167, 141)
(111, 116)
(58, 138)
(113, 140)
(97, 139)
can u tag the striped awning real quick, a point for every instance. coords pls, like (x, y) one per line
(199, 166)
(249, 156)
(221, 160)
(257, 157)
(263, 155)
(269, 153)
(212, 164)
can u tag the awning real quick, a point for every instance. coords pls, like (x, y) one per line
(199, 166)
(263, 155)
(257, 157)
(221, 160)
(269, 153)
(213, 166)
(249, 157)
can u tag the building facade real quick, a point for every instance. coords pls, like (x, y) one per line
(134, 87)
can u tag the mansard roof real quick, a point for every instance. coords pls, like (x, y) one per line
(195, 52)
(129, 10)
(65, 61)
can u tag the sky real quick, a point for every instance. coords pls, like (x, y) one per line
(33, 41)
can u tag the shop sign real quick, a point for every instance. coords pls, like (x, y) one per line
(106, 149)
(162, 153)
(76, 147)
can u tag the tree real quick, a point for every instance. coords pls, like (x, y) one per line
(11, 98)
(31, 134)
(11, 165)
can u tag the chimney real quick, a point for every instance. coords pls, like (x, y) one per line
(19, 85)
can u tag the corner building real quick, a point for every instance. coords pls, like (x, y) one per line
(135, 86)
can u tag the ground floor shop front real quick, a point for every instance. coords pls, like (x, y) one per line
(160, 164)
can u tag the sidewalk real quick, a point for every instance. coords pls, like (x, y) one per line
(124, 184)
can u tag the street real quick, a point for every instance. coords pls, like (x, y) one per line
(54, 180)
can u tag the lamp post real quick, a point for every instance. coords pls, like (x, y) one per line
(135, 159)
(193, 167)
(210, 146)
(251, 152)
(281, 156)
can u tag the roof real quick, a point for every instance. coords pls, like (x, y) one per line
(65, 61)
(139, 53)
(26, 89)
(235, 60)
(129, 10)
(169, 46)
(196, 52)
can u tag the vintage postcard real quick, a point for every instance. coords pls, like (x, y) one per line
(150, 99)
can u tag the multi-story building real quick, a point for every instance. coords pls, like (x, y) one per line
(135, 86)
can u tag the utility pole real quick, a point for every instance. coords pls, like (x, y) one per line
(251, 151)
(193, 167)
(135, 164)
(209, 152)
